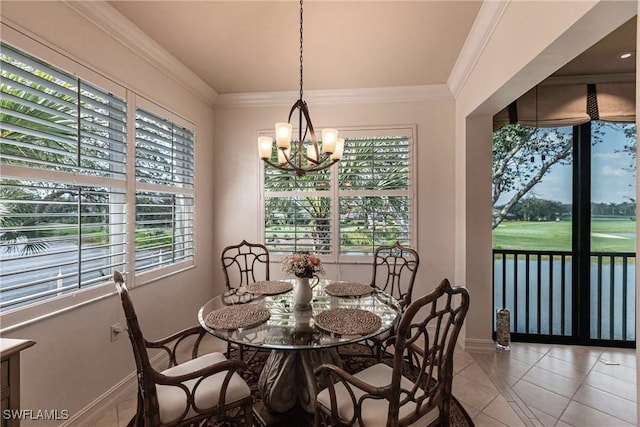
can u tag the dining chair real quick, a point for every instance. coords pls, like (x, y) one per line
(394, 272)
(206, 387)
(242, 264)
(417, 387)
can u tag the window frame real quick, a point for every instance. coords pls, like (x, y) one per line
(36, 311)
(335, 257)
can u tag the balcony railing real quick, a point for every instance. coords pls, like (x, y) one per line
(538, 290)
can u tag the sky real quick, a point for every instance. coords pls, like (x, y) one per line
(612, 181)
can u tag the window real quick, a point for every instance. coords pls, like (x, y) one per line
(64, 199)
(349, 209)
(164, 196)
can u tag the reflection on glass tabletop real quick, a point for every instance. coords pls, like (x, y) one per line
(292, 327)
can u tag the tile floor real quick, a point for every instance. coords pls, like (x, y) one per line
(530, 385)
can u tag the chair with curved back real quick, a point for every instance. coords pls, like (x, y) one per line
(394, 272)
(206, 387)
(242, 264)
(417, 387)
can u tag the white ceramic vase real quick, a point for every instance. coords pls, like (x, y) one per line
(302, 292)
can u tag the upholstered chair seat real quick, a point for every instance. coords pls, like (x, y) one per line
(374, 412)
(171, 399)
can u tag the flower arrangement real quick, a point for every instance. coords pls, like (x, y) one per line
(302, 264)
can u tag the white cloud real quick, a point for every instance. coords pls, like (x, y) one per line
(608, 156)
(609, 171)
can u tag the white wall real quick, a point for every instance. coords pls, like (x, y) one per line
(530, 41)
(74, 361)
(237, 167)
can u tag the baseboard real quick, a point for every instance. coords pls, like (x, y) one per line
(88, 415)
(478, 345)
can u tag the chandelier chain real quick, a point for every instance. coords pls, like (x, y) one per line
(304, 156)
(301, 49)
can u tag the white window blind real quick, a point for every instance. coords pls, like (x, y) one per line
(62, 192)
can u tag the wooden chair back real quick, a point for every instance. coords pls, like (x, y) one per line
(424, 345)
(394, 271)
(244, 263)
(147, 397)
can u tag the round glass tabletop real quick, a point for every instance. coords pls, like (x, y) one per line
(293, 327)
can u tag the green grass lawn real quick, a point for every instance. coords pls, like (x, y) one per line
(607, 235)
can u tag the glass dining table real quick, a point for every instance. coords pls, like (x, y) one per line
(300, 337)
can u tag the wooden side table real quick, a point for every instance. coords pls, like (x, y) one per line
(10, 349)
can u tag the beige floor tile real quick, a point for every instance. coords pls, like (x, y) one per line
(553, 382)
(484, 420)
(581, 356)
(475, 372)
(607, 403)
(564, 368)
(470, 410)
(624, 356)
(503, 367)
(545, 420)
(539, 398)
(621, 372)
(502, 411)
(126, 411)
(461, 359)
(527, 355)
(110, 419)
(581, 415)
(472, 393)
(611, 385)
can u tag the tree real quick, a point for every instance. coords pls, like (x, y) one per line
(522, 156)
(629, 130)
(531, 208)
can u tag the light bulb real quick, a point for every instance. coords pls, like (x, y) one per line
(265, 143)
(283, 135)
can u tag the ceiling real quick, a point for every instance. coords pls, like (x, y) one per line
(253, 46)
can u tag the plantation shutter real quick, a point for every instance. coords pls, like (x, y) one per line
(62, 201)
(374, 193)
(297, 211)
(164, 196)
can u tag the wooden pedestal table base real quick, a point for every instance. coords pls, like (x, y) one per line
(287, 378)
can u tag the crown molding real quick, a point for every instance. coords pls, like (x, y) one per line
(108, 19)
(483, 27)
(397, 94)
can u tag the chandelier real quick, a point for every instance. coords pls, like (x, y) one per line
(305, 156)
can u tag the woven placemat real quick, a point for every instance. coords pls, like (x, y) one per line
(348, 321)
(237, 316)
(269, 287)
(347, 289)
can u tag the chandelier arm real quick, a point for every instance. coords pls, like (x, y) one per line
(314, 139)
(299, 171)
(302, 107)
